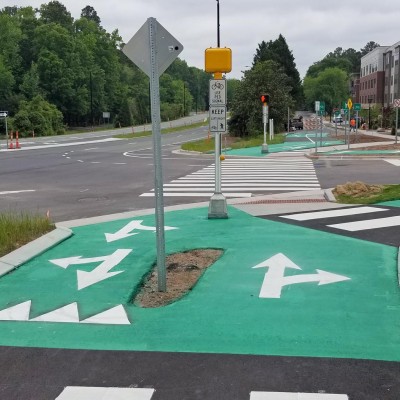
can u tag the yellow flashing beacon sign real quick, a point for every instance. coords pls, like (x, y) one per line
(218, 60)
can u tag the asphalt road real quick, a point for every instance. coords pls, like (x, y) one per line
(76, 180)
(189, 376)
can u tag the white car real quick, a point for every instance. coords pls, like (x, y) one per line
(337, 119)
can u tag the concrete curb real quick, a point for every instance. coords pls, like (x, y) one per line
(38, 246)
(329, 195)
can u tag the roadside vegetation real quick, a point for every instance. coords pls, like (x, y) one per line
(208, 144)
(362, 193)
(140, 133)
(19, 229)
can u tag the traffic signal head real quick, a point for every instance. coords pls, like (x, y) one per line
(264, 98)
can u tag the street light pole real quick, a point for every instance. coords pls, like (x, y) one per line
(218, 26)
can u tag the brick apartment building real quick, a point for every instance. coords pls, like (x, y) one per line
(380, 77)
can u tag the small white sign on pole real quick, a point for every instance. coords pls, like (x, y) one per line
(217, 118)
(217, 92)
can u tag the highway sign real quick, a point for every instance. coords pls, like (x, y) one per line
(357, 106)
(217, 92)
(217, 118)
(322, 106)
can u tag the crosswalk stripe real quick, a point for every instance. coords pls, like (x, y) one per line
(242, 177)
(197, 194)
(296, 396)
(104, 393)
(238, 185)
(368, 224)
(393, 161)
(333, 213)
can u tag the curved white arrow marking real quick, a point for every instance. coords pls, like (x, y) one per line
(126, 231)
(100, 273)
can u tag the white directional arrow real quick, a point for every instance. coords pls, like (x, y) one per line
(66, 262)
(100, 273)
(126, 231)
(275, 279)
(271, 287)
(323, 277)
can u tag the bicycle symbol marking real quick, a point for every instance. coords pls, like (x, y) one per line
(217, 85)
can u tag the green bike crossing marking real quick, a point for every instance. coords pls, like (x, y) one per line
(277, 148)
(357, 318)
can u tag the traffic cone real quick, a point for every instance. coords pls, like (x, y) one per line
(17, 145)
(11, 145)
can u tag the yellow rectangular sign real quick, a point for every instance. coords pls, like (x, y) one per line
(218, 60)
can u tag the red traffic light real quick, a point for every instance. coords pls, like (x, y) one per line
(264, 98)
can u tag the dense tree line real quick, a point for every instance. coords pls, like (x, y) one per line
(57, 71)
(273, 72)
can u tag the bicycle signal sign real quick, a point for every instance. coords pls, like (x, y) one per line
(217, 92)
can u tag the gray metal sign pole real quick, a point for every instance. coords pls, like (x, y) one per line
(397, 121)
(158, 176)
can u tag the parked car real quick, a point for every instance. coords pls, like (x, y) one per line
(337, 119)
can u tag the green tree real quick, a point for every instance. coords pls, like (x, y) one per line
(90, 13)
(30, 83)
(39, 116)
(278, 51)
(55, 12)
(368, 47)
(246, 111)
(330, 86)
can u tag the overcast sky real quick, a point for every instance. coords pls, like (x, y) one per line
(312, 28)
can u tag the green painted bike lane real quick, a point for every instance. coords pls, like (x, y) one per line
(357, 317)
(278, 148)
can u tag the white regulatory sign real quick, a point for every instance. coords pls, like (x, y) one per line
(217, 118)
(3, 113)
(217, 92)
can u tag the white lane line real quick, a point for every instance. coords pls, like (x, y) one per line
(296, 396)
(368, 224)
(17, 191)
(392, 161)
(97, 393)
(69, 144)
(333, 213)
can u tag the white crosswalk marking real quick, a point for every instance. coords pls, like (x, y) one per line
(246, 176)
(368, 224)
(102, 393)
(333, 213)
(296, 396)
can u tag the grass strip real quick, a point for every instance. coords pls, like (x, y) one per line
(388, 193)
(208, 144)
(19, 229)
(163, 131)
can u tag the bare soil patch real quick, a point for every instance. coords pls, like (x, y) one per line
(183, 271)
(357, 189)
(361, 138)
